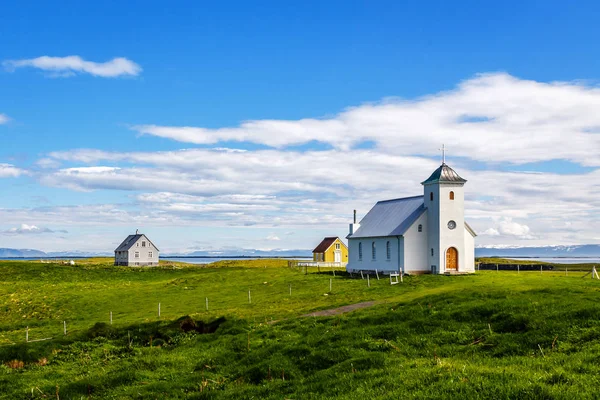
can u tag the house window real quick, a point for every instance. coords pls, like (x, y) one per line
(451, 195)
(144, 244)
(431, 252)
(150, 254)
(359, 251)
(388, 250)
(337, 246)
(137, 254)
(431, 196)
(137, 244)
(373, 251)
(420, 228)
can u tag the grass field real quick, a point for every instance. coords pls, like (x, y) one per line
(498, 335)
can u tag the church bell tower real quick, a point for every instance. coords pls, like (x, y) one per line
(444, 199)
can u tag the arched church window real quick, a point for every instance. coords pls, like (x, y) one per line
(388, 250)
(451, 195)
(431, 196)
(359, 251)
(420, 228)
(373, 252)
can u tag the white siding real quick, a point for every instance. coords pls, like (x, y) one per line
(381, 262)
(442, 210)
(147, 255)
(415, 247)
(469, 259)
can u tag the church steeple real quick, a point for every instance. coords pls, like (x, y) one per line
(444, 174)
(444, 199)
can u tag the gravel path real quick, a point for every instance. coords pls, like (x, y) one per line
(340, 310)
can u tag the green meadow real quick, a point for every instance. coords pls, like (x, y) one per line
(491, 335)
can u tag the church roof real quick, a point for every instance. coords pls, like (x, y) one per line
(444, 174)
(390, 217)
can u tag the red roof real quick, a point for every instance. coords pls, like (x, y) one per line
(324, 245)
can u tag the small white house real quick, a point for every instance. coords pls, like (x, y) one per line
(136, 250)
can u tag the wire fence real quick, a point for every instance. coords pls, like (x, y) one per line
(42, 330)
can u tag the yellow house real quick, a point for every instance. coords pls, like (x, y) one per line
(331, 249)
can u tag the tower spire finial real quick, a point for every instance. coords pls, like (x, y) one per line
(443, 149)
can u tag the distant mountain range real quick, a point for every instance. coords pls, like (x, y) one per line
(21, 253)
(246, 253)
(588, 250)
(29, 253)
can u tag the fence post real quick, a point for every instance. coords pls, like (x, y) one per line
(249, 297)
(290, 289)
(518, 268)
(158, 310)
(377, 273)
(65, 328)
(333, 272)
(566, 271)
(497, 268)
(111, 317)
(361, 275)
(206, 302)
(541, 265)
(368, 281)
(330, 280)
(27, 334)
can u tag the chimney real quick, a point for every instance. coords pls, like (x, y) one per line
(136, 231)
(353, 226)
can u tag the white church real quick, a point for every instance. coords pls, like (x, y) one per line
(416, 235)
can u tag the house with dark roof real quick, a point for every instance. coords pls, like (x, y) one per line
(418, 234)
(136, 250)
(331, 250)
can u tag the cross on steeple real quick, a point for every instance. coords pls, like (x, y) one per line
(443, 149)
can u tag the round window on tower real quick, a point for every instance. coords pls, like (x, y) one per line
(451, 224)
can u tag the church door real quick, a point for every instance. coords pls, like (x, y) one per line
(452, 259)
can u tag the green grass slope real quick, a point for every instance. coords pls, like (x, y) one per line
(498, 335)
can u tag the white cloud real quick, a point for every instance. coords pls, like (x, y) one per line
(25, 229)
(273, 238)
(4, 119)
(276, 188)
(506, 226)
(491, 232)
(70, 65)
(489, 121)
(10, 171)
(489, 118)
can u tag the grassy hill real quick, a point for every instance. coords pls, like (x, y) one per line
(490, 335)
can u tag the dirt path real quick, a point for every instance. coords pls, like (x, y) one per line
(340, 310)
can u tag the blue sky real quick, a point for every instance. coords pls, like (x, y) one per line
(329, 106)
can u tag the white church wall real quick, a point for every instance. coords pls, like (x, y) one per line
(381, 262)
(469, 259)
(452, 210)
(354, 262)
(433, 228)
(416, 247)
